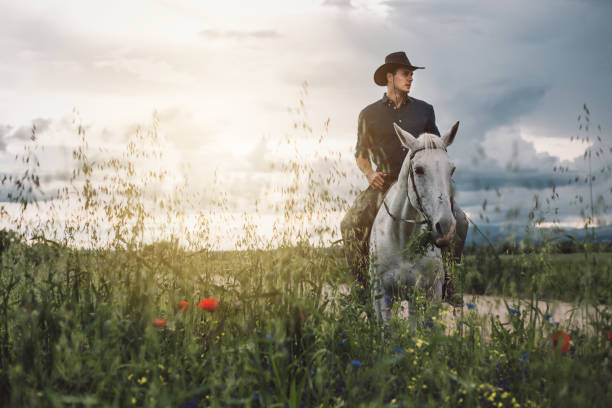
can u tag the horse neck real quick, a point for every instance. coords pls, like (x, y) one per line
(401, 202)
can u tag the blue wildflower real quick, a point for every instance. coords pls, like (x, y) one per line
(255, 396)
(525, 357)
(554, 324)
(388, 300)
(514, 311)
(341, 342)
(398, 350)
(470, 306)
(269, 336)
(356, 363)
(547, 316)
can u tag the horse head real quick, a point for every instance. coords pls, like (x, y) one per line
(426, 175)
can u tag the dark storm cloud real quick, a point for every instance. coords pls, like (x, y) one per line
(489, 108)
(239, 35)
(510, 104)
(494, 177)
(491, 66)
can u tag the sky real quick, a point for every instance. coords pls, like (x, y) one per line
(224, 78)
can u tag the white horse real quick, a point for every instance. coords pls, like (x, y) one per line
(420, 199)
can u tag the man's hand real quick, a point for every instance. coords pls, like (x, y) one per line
(376, 179)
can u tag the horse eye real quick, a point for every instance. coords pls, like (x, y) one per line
(419, 170)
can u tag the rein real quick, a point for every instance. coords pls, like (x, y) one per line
(416, 192)
(396, 219)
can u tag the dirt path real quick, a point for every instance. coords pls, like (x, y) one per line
(566, 314)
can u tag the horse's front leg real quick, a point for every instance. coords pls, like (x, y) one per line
(383, 307)
(381, 299)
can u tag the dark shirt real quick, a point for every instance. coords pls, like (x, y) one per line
(376, 137)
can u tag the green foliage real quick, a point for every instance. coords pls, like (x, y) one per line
(584, 276)
(79, 297)
(420, 243)
(79, 331)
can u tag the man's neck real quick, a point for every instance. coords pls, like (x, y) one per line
(398, 97)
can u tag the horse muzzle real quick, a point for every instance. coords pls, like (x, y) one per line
(443, 240)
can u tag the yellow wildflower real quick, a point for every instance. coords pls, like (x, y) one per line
(419, 343)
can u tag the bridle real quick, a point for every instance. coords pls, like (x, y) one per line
(419, 207)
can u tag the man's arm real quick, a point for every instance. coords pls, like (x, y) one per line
(375, 178)
(362, 154)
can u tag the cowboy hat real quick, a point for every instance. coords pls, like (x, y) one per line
(392, 61)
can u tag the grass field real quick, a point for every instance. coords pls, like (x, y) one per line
(79, 328)
(135, 324)
(576, 277)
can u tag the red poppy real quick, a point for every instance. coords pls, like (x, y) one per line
(208, 304)
(182, 305)
(609, 334)
(159, 323)
(561, 341)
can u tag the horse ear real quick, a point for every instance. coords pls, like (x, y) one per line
(405, 138)
(449, 137)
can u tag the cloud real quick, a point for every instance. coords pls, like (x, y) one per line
(346, 4)
(5, 130)
(508, 104)
(489, 109)
(491, 176)
(239, 35)
(185, 130)
(8, 132)
(505, 160)
(39, 125)
(146, 69)
(503, 71)
(14, 188)
(258, 159)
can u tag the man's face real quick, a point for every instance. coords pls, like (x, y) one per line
(401, 80)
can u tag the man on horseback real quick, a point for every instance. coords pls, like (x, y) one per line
(377, 142)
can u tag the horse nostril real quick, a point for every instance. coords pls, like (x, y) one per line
(439, 228)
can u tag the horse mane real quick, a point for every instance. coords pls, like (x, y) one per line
(429, 141)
